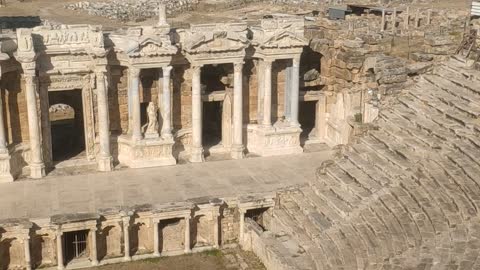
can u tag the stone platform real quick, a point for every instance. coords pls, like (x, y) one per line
(88, 193)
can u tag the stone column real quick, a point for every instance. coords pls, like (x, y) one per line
(429, 16)
(93, 249)
(126, 238)
(216, 230)
(407, 18)
(5, 175)
(242, 225)
(60, 263)
(104, 158)
(28, 260)
(417, 18)
(321, 118)
(187, 234)
(134, 92)
(196, 151)
(382, 27)
(267, 94)
(162, 15)
(37, 167)
(260, 90)
(288, 92)
(294, 96)
(156, 242)
(166, 104)
(237, 147)
(394, 21)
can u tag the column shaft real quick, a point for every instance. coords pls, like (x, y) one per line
(216, 231)
(37, 168)
(28, 260)
(3, 136)
(382, 27)
(156, 242)
(104, 158)
(94, 256)
(135, 98)
(60, 263)
(294, 96)
(260, 91)
(242, 225)
(267, 95)
(196, 151)
(394, 21)
(237, 148)
(126, 239)
(187, 235)
(166, 104)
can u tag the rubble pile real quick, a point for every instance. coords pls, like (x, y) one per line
(131, 10)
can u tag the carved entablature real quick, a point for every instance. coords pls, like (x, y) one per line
(62, 39)
(66, 82)
(215, 43)
(280, 37)
(143, 45)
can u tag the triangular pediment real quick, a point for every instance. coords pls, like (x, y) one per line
(219, 41)
(284, 39)
(153, 47)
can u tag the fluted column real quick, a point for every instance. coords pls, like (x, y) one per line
(260, 90)
(37, 167)
(237, 147)
(126, 239)
(242, 225)
(196, 151)
(267, 93)
(134, 77)
(60, 263)
(28, 260)
(93, 249)
(216, 230)
(294, 96)
(3, 136)
(104, 158)
(166, 104)
(156, 242)
(187, 234)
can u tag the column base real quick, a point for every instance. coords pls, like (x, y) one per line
(274, 141)
(104, 164)
(127, 259)
(156, 254)
(95, 263)
(196, 155)
(37, 170)
(5, 172)
(237, 152)
(154, 152)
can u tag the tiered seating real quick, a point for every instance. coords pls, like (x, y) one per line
(407, 195)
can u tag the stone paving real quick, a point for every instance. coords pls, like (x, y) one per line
(130, 187)
(406, 196)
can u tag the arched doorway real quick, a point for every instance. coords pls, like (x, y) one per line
(67, 125)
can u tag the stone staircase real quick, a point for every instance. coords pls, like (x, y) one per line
(406, 195)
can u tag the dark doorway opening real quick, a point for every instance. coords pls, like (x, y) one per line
(306, 117)
(75, 245)
(67, 124)
(212, 123)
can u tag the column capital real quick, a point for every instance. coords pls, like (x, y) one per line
(167, 69)
(238, 66)
(196, 67)
(268, 61)
(101, 70)
(134, 71)
(296, 61)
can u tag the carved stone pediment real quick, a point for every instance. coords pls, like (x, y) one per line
(143, 42)
(282, 32)
(211, 38)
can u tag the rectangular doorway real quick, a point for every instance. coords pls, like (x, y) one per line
(75, 245)
(67, 125)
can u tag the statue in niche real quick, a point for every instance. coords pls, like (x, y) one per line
(151, 128)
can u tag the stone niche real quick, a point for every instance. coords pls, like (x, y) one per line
(172, 235)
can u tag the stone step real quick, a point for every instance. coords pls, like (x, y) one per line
(377, 161)
(321, 205)
(380, 230)
(368, 169)
(357, 243)
(460, 81)
(382, 150)
(335, 202)
(365, 181)
(292, 208)
(451, 88)
(348, 183)
(398, 148)
(468, 149)
(314, 218)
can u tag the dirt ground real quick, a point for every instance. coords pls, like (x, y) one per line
(232, 259)
(52, 10)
